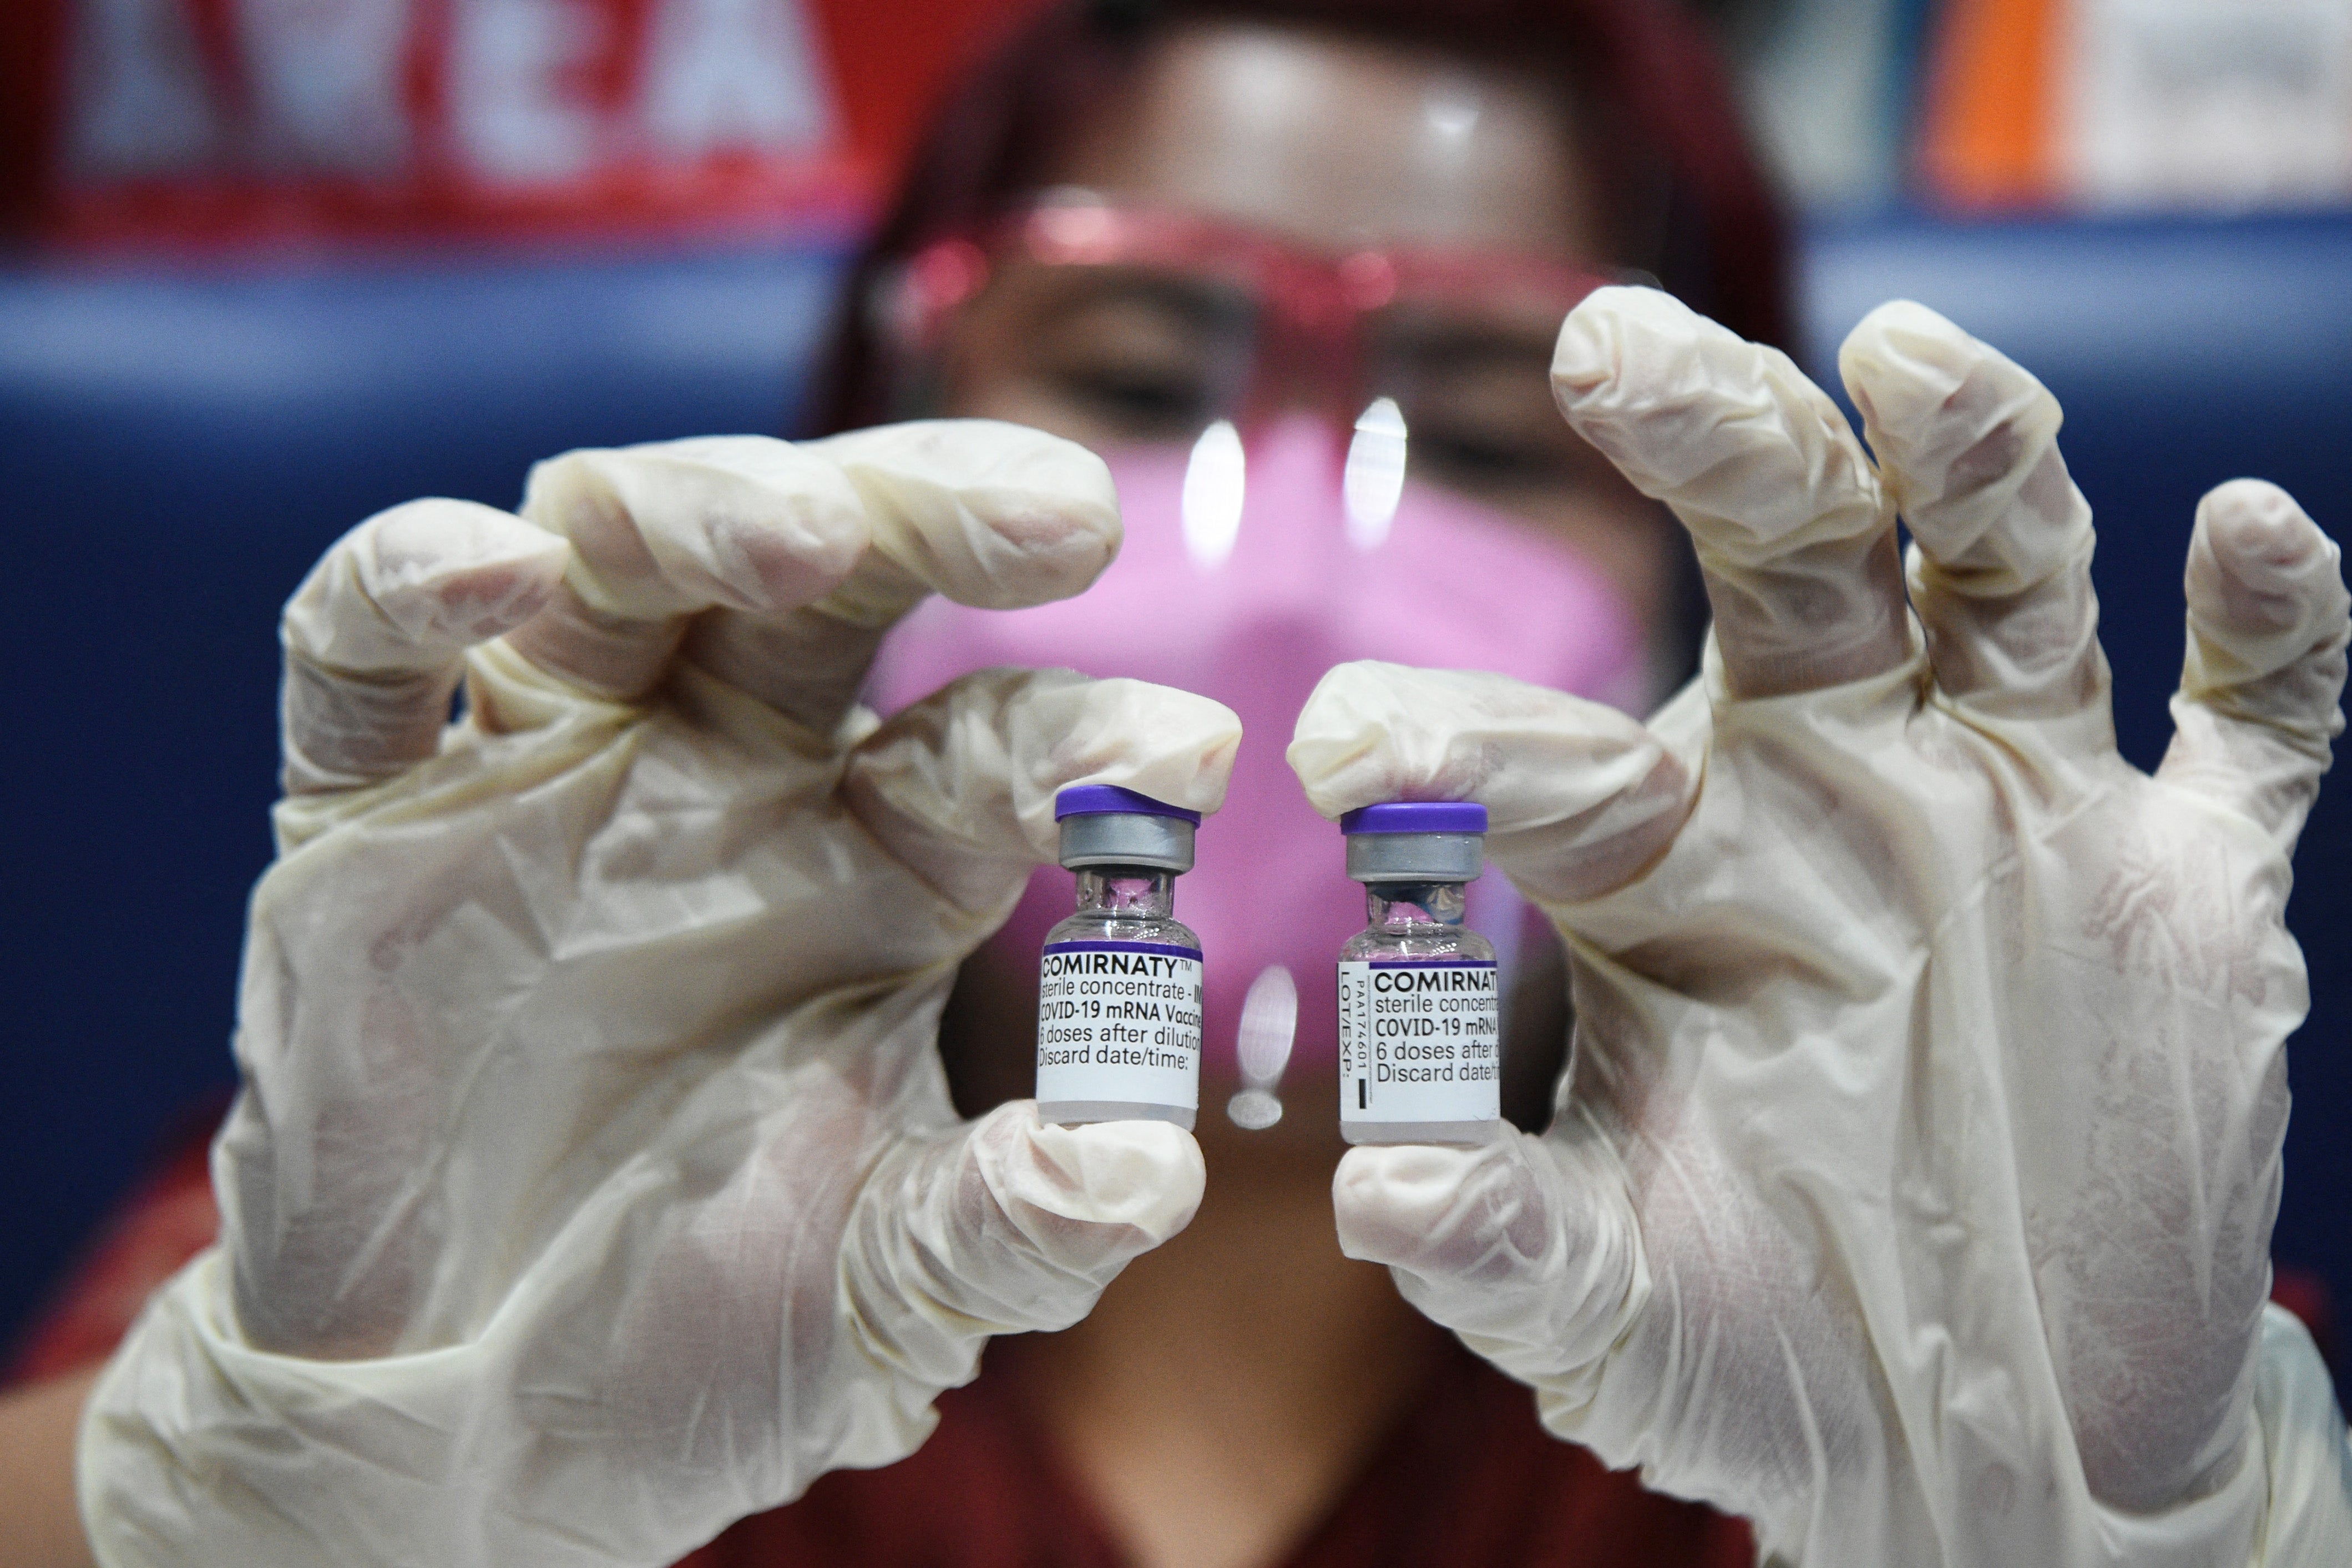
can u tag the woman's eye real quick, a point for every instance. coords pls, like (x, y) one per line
(1142, 401)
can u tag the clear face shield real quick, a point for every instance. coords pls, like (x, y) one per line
(1120, 327)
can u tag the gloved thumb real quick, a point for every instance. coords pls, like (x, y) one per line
(1004, 1225)
(1527, 1248)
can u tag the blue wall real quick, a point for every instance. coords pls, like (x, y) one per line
(176, 451)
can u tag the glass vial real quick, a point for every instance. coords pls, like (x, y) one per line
(1421, 1038)
(1119, 982)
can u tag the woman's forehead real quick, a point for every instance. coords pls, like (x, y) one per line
(1340, 143)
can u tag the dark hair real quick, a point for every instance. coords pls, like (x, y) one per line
(1679, 183)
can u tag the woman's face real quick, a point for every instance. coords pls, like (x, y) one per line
(1336, 146)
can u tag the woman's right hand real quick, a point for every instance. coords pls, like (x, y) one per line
(595, 1181)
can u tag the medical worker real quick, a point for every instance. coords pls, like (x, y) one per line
(596, 1183)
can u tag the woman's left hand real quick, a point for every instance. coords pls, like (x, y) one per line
(1913, 1181)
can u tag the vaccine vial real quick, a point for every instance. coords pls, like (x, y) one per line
(1119, 982)
(1421, 1038)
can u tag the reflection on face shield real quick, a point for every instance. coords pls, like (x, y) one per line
(1319, 459)
(1117, 325)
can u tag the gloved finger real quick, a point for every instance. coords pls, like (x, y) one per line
(1795, 538)
(993, 515)
(373, 636)
(960, 786)
(1579, 798)
(2268, 613)
(662, 531)
(1968, 444)
(1004, 1225)
(1527, 1248)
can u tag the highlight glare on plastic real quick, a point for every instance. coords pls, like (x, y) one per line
(1212, 503)
(1269, 1025)
(1452, 110)
(1373, 482)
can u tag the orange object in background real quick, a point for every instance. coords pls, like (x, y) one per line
(176, 122)
(2210, 106)
(1987, 137)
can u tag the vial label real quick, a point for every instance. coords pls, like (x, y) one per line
(1420, 1041)
(1119, 1021)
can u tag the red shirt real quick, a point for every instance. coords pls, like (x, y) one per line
(1466, 1478)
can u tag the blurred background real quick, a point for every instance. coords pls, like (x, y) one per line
(273, 265)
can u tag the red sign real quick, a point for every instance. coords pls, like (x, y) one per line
(240, 120)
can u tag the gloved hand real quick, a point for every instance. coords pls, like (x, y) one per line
(594, 1181)
(1911, 1188)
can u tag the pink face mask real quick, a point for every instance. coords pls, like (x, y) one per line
(1246, 583)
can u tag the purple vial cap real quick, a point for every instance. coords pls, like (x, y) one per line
(1417, 816)
(1103, 800)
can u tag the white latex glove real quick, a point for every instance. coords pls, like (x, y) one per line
(1911, 1188)
(594, 1182)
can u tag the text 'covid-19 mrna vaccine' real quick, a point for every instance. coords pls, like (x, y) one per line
(1421, 1039)
(1119, 982)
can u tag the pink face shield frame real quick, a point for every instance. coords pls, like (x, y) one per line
(1317, 305)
